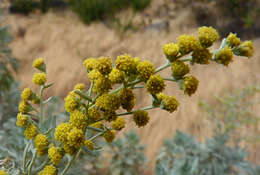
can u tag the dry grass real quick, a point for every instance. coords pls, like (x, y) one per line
(64, 41)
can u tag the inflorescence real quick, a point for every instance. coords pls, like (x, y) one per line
(100, 110)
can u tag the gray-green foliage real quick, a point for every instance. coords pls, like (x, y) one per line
(127, 155)
(234, 112)
(183, 155)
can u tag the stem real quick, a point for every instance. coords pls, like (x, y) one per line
(32, 162)
(143, 109)
(95, 136)
(42, 165)
(25, 155)
(163, 67)
(170, 79)
(83, 95)
(69, 164)
(41, 107)
(90, 89)
(95, 129)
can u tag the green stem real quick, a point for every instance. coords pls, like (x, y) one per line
(170, 79)
(25, 155)
(41, 107)
(95, 129)
(163, 67)
(69, 164)
(32, 162)
(95, 136)
(143, 109)
(83, 95)
(42, 165)
(90, 89)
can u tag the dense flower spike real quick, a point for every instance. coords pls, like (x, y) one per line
(201, 56)
(119, 123)
(179, 69)
(207, 36)
(30, 131)
(155, 84)
(39, 78)
(49, 170)
(127, 99)
(109, 135)
(95, 112)
(233, 40)
(190, 85)
(187, 44)
(224, 56)
(145, 69)
(141, 118)
(55, 155)
(22, 120)
(171, 51)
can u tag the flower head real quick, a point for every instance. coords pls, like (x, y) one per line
(90, 63)
(55, 154)
(141, 118)
(126, 63)
(109, 102)
(109, 115)
(102, 85)
(171, 51)
(127, 99)
(155, 84)
(62, 131)
(79, 86)
(41, 141)
(22, 120)
(75, 138)
(170, 104)
(245, 49)
(30, 131)
(187, 44)
(116, 76)
(26, 94)
(145, 69)
(179, 69)
(24, 107)
(39, 64)
(224, 56)
(78, 120)
(233, 40)
(69, 149)
(201, 56)
(94, 113)
(190, 85)
(104, 65)
(118, 124)
(207, 36)
(39, 78)
(70, 102)
(94, 75)
(109, 135)
(89, 144)
(49, 170)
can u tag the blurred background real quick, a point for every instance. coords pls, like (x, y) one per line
(66, 32)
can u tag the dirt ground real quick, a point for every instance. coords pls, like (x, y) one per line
(64, 41)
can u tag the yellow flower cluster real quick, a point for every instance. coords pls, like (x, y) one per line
(39, 78)
(22, 120)
(109, 135)
(141, 118)
(145, 69)
(179, 69)
(49, 170)
(171, 51)
(127, 99)
(39, 64)
(90, 64)
(55, 154)
(89, 144)
(207, 36)
(190, 85)
(155, 84)
(118, 124)
(78, 120)
(31, 131)
(108, 102)
(224, 56)
(233, 40)
(41, 144)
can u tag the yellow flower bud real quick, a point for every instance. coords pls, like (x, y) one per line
(62, 131)
(187, 44)
(104, 65)
(26, 94)
(179, 69)
(171, 51)
(55, 155)
(49, 170)
(75, 138)
(116, 76)
(155, 84)
(224, 56)
(109, 135)
(127, 99)
(233, 40)
(78, 120)
(201, 56)
(39, 78)
(170, 104)
(39, 64)
(141, 118)
(118, 124)
(190, 85)
(90, 63)
(109, 102)
(145, 69)
(207, 36)
(22, 120)
(30, 131)
(89, 144)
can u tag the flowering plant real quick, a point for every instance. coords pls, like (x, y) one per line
(94, 112)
